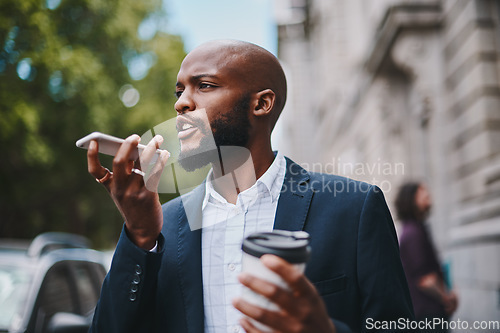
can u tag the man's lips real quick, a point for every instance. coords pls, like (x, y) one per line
(185, 128)
(186, 133)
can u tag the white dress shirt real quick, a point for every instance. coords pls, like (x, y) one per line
(225, 225)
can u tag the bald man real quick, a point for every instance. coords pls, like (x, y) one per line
(167, 276)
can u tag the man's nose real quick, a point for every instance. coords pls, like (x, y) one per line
(185, 103)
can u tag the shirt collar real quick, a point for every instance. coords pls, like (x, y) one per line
(274, 176)
(272, 179)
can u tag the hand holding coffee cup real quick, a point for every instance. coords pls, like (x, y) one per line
(292, 246)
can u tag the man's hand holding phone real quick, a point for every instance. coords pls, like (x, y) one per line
(134, 194)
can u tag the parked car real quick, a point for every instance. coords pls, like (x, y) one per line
(52, 285)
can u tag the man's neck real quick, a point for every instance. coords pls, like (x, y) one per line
(235, 174)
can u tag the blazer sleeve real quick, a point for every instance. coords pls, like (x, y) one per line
(128, 293)
(381, 280)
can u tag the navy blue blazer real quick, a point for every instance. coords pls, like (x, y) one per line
(355, 263)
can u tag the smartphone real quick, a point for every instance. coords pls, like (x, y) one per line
(109, 145)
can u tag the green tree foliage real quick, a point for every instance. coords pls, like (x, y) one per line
(67, 68)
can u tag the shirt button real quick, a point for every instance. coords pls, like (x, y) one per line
(138, 270)
(236, 329)
(132, 297)
(136, 279)
(231, 267)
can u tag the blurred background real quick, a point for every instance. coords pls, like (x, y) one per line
(388, 91)
(383, 91)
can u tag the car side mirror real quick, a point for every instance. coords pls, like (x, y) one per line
(63, 322)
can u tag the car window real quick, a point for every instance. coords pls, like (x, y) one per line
(14, 286)
(88, 286)
(56, 295)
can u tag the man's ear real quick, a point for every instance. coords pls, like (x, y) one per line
(265, 100)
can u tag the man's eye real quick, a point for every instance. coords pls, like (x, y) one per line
(206, 85)
(178, 93)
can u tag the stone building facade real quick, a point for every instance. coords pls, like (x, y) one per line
(386, 91)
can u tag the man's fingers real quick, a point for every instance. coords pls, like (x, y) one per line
(297, 307)
(293, 277)
(94, 165)
(247, 326)
(149, 152)
(121, 162)
(153, 177)
(278, 295)
(100, 173)
(273, 319)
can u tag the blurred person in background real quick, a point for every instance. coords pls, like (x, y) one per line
(430, 295)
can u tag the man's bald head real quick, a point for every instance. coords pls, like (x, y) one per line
(257, 68)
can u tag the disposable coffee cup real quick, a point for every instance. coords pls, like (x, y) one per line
(292, 246)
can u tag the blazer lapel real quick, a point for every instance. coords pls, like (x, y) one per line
(189, 258)
(295, 199)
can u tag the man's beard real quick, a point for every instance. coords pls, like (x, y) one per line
(229, 129)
